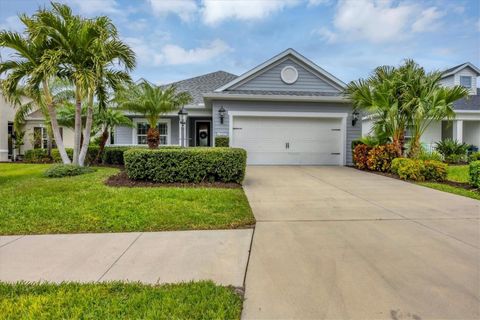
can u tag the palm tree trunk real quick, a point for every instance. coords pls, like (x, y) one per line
(55, 128)
(88, 131)
(103, 142)
(153, 138)
(78, 127)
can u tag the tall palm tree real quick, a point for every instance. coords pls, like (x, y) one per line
(90, 54)
(152, 102)
(28, 68)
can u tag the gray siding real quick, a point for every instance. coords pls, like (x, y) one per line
(271, 80)
(352, 132)
(123, 135)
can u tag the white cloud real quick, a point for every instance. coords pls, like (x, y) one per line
(380, 21)
(428, 20)
(326, 34)
(12, 23)
(148, 53)
(185, 9)
(214, 11)
(374, 20)
(173, 54)
(94, 7)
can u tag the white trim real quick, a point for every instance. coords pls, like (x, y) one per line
(343, 116)
(467, 111)
(340, 84)
(461, 67)
(267, 97)
(3, 150)
(168, 121)
(195, 132)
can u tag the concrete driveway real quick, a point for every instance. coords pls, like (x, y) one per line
(337, 243)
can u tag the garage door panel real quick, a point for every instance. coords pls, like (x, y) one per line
(310, 140)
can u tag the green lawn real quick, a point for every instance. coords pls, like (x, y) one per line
(447, 188)
(33, 204)
(458, 173)
(116, 300)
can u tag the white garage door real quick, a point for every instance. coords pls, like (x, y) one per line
(289, 141)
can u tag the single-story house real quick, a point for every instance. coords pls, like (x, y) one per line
(466, 125)
(285, 111)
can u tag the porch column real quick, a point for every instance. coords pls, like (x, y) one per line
(458, 130)
(183, 132)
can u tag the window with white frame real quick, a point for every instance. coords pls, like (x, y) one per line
(466, 81)
(142, 129)
(40, 138)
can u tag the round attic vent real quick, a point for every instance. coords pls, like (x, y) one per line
(289, 74)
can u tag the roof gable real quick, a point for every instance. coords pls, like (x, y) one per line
(266, 76)
(454, 70)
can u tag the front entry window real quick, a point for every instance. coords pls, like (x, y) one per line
(142, 129)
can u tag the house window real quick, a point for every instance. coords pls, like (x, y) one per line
(40, 138)
(466, 81)
(142, 129)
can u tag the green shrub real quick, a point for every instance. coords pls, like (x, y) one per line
(434, 170)
(380, 158)
(37, 156)
(65, 170)
(452, 150)
(186, 165)
(222, 141)
(429, 155)
(474, 156)
(474, 172)
(408, 169)
(419, 170)
(89, 159)
(360, 156)
(114, 155)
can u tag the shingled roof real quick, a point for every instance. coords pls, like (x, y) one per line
(200, 85)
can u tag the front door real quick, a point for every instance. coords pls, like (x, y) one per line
(202, 133)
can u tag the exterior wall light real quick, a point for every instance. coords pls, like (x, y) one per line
(355, 115)
(221, 113)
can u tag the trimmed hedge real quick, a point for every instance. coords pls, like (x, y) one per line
(114, 155)
(66, 170)
(474, 172)
(418, 170)
(37, 156)
(222, 141)
(186, 165)
(474, 156)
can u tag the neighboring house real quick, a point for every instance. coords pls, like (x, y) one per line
(35, 132)
(7, 114)
(466, 125)
(286, 111)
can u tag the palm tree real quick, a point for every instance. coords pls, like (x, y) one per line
(429, 102)
(380, 95)
(152, 102)
(89, 53)
(108, 119)
(28, 68)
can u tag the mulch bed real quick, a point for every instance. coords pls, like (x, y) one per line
(121, 180)
(462, 185)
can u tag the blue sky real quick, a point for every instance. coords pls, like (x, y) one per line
(178, 39)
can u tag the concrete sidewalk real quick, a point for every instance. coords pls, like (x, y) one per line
(153, 257)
